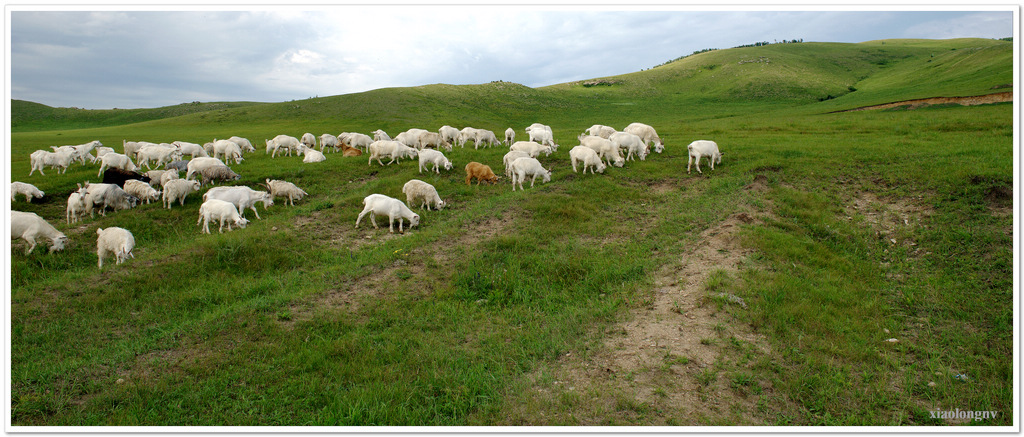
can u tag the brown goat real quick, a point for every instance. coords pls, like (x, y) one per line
(481, 172)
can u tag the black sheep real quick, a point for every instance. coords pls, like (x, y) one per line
(118, 176)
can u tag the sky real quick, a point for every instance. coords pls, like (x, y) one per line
(102, 59)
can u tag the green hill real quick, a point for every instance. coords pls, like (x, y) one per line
(835, 268)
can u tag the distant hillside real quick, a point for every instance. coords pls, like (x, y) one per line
(29, 116)
(822, 76)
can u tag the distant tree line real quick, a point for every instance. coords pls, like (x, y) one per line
(756, 44)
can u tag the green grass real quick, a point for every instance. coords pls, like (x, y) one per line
(300, 319)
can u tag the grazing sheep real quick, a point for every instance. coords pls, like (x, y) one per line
(429, 156)
(59, 160)
(480, 172)
(131, 147)
(393, 149)
(193, 150)
(432, 140)
(116, 160)
(76, 205)
(308, 140)
(410, 137)
(177, 190)
(422, 192)
(511, 156)
(154, 176)
(28, 190)
(380, 135)
(222, 211)
(360, 141)
(166, 176)
(283, 143)
(700, 148)
(631, 143)
(100, 151)
(393, 208)
(449, 134)
(484, 137)
(196, 165)
(523, 167)
(29, 226)
(218, 173)
(107, 196)
(467, 133)
(242, 197)
(226, 148)
(329, 140)
(178, 165)
(118, 177)
(542, 134)
(158, 153)
(604, 148)
(141, 190)
(243, 143)
(588, 157)
(531, 148)
(647, 134)
(599, 130)
(510, 136)
(114, 241)
(285, 189)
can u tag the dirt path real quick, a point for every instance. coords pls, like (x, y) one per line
(682, 359)
(966, 101)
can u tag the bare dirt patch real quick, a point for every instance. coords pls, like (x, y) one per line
(965, 101)
(670, 362)
(890, 218)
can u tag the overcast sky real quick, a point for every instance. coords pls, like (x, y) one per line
(145, 59)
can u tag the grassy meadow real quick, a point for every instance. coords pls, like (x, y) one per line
(875, 225)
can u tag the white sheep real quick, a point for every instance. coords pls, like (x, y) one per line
(308, 140)
(588, 157)
(243, 143)
(285, 189)
(631, 143)
(76, 205)
(28, 190)
(141, 190)
(29, 226)
(700, 148)
(531, 148)
(158, 153)
(393, 208)
(393, 149)
(510, 136)
(115, 241)
(222, 211)
(116, 160)
(197, 165)
(449, 134)
(193, 150)
(647, 134)
(226, 148)
(166, 176)
(410, 137)
(467, 133)
(600, 130)
(430, 156)
(107, 196)
(604, 148)
(177, 190)
(379, 135)
(434, 139)
(311, 155)
(100, 151)
(418, 191)
(242, 197)
(523, 167)
(60, 160)
(329, 140)
(542, 134)
(282, 143)
(512, 156)
(486, 138)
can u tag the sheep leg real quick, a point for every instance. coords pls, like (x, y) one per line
(361, 214)
(32, 244)
(533, 180)
(221, 229)
(255, 212)
(689, 163)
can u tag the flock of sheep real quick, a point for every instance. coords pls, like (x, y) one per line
(124, 186)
